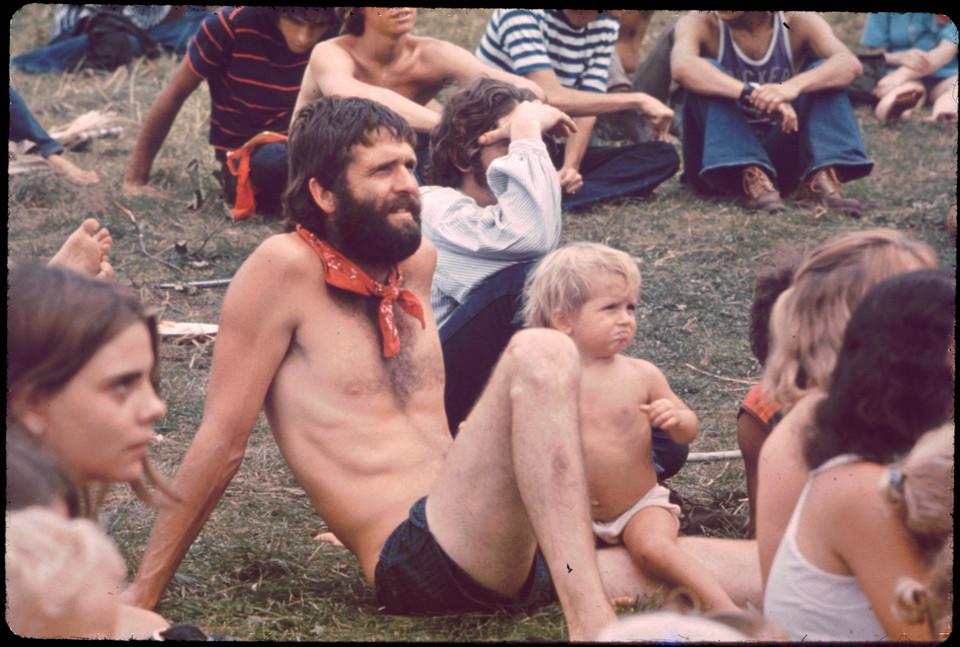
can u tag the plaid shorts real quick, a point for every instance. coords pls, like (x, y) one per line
(416, 577)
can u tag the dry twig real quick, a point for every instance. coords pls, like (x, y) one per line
(143, 246)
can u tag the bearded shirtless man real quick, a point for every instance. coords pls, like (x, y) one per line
(379, 59)
(354, 398)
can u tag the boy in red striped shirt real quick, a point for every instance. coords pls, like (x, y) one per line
(253, 60)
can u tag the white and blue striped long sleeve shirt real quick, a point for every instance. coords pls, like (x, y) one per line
(474, 242)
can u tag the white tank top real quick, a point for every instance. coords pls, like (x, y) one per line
(809, 603)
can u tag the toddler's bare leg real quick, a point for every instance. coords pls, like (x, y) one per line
(651, 538)
(735, 563)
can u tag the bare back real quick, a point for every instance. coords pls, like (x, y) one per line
(363, 435)
(617, 441)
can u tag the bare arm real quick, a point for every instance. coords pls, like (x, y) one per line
(331, 71)
(687, 65)
(920, 62)
(840, 66)
(571, 180)
(256, 314)
(159, 120)
(666, 410)
(857, 512)
(580, 103)
(463, 67)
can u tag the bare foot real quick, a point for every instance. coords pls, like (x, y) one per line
(86, 249)
(899, 103)
(142, 190)
(328, 538)
(73, 173)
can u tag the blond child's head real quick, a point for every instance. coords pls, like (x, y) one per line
(563, 280)
(930, 601)
(587, 291)
(920, 487)
(809, 318)
(63, 576)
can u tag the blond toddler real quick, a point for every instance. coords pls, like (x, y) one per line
(589, 292)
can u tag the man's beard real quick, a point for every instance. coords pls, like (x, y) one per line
(366, 235)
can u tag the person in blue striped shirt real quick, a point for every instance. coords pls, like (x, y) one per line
(567, 52)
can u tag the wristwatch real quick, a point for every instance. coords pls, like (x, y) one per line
(748, 89)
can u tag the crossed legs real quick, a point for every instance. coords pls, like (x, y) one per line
(514, 479)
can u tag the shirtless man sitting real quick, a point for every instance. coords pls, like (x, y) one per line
(355, 401)
(353, 391)
(377, 58)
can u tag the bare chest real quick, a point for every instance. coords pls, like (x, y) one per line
(339, 346)
(407, 75)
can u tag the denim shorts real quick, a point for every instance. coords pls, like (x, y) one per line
(416, 577)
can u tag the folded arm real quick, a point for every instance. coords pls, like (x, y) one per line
(331, 71)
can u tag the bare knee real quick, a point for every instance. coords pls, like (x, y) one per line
(544, 357)
(648, 548)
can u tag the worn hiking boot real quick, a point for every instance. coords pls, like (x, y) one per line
(823, 187)
(760, 192)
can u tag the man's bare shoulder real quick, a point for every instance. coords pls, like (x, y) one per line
(698, 29)
(280, 257)
(338, 49)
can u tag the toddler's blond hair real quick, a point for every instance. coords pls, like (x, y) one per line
(561, 280)
(53, 566)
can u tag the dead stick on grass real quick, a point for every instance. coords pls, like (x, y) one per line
(719, 377)
(143, 246)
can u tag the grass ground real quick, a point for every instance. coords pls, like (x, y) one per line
(255, 572)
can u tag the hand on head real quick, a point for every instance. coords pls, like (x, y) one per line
(545, 117)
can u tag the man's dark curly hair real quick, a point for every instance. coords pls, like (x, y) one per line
(468, 114)
(321, 144)
(891, 383)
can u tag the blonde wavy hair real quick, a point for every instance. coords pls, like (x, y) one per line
(920, 488)
(809, 318)
(56, 571)
(562, 279)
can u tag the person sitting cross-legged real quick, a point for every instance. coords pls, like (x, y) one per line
(567, 52)
(759, 122)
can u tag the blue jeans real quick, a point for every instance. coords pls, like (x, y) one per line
(718, 142)
(631, 170)
(65, 53)
(474, 337)
(268, 172)
(24, 126)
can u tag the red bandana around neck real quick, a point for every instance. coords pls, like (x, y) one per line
(341, 273)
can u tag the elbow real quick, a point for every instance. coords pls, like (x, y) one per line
(852, 68)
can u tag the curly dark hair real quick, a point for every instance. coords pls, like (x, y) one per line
(321, 143)
(892, 382)
(468, 114)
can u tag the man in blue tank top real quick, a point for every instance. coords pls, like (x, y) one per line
(765, 108)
